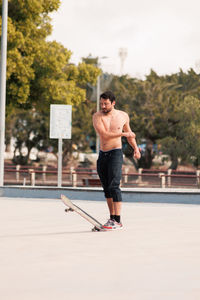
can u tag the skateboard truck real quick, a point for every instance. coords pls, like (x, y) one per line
(68, 209)
(98, 229)
(95, 229)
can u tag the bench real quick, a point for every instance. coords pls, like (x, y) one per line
(91, 182)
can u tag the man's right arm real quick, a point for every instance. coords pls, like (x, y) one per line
(132, 140)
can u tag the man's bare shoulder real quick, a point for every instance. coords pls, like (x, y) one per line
(122, 113)
(96, 115)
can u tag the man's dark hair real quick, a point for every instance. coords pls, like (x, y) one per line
(108, 95)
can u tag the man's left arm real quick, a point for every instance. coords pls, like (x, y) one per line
(132, 140)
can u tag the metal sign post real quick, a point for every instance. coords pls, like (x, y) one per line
(60, 128)
(59, 162)
(3, 87)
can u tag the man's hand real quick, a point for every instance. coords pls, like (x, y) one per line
(137, 153)
(129, 134)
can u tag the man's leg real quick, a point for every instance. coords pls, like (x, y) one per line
(117, 208)
(114, 207)
(109, 170)
(111, 208)
(114, 175)
(102, 171)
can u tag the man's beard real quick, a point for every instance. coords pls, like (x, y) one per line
(105, 112)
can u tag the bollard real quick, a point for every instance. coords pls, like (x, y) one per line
(44, 168)
(94, 175)
(74, 179)
(17, 172)
(198, 179)
(140, 177)
(32, 176)
(126, 170)
(169, 172)
(71, 174)
(162, 180)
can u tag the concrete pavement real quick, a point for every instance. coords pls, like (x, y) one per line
(46, 254)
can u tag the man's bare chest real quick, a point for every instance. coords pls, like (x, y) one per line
(113, 123)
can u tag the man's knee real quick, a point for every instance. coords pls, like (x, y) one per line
(116, 194)
(108, 194)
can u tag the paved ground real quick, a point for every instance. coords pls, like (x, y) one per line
(46, 254)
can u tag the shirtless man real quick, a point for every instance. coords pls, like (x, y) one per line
(111, 124)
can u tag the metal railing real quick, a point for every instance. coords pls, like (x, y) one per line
(27, 175)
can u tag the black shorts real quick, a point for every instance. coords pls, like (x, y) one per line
(109, 168)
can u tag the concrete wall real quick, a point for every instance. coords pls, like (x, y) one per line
(153, 195)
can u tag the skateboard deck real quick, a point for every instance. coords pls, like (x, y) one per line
(72, 207)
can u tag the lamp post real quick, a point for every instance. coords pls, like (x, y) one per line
(122, 54)
(98, 96)
(3, 87)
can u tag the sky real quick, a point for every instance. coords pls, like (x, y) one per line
(156, 34)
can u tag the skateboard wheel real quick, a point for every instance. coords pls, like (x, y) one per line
(95, 229)
(68, 209)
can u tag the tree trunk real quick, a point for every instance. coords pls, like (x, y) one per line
(174, 162)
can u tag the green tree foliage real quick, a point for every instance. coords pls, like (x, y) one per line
(83, 132)
(30, 130)
(39, 72)
(185, 142)
(163, 109)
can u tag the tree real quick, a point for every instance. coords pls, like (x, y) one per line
(30, 131)
(185, 143)
(28, 27)
(156, 107)
(39, 72)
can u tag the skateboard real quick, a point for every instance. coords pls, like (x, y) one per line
(72, 207)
